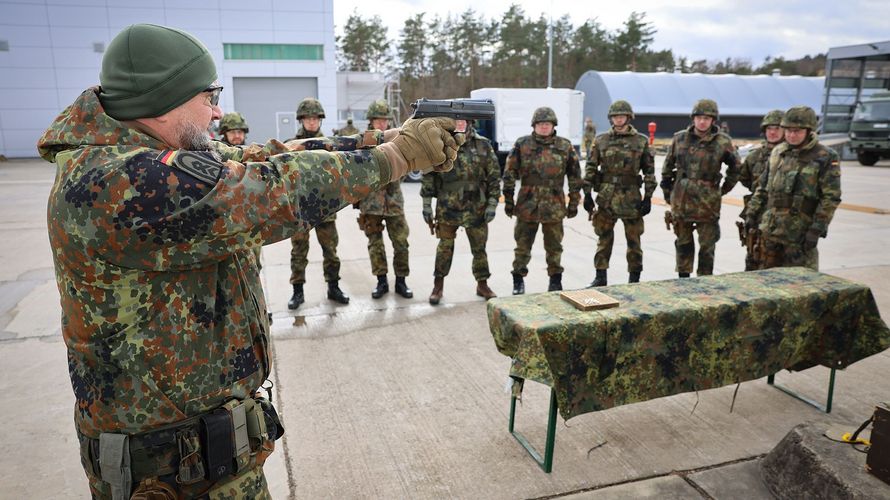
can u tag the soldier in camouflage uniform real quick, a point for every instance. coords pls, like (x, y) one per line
(152, 227)
(797, 194)
(233, 128)
(385, 208)
(467, 197)
(310, 113)
(616, 161)
(588, 138)
(349, 129)
(690, 178)
(541, 161)
(754, 165)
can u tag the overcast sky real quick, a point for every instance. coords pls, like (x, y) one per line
(703, 29)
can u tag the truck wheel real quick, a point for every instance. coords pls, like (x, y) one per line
(867, 158)
(415, 176)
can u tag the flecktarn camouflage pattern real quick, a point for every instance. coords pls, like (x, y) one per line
(670, 337)
(163, 313)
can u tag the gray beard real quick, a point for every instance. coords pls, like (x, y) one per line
(192, 137)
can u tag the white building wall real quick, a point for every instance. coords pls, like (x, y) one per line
(52, 58)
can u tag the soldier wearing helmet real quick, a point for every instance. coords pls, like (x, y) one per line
(541, 162)
(349, 129)
(233, 128)
(754, 165)
(310, 113)
(691, 180)
(797, 194)
(386, 208)
(620, 161)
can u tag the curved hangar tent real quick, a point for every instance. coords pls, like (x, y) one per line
(667, 98)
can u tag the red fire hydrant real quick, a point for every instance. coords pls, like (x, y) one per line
(651, 133)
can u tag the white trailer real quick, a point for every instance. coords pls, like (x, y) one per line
(514, 109)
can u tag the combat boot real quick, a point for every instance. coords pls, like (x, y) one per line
(436, 295)
(402, 288)
(335, 294)
(483, 291)
(518, 284)
(684, 275)
(634, 277)
(297, 298)
(601, 279)
(382, 287)
(555, 283)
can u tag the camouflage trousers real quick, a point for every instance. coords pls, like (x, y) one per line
(326, 233)
(397, 228)
(778, 254)
(524, 233)
(477, 235)
(604, 227)
(708, 234)
(251, 484)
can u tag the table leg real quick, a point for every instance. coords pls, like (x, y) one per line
(771, 380)
(545, 462)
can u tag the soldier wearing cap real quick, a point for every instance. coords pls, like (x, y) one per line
(541, 162)
(310, 113)
(755, 164)
(234, 129)
(690, 179)
(797, 194)
(349, 129)
(152, 227)
(620, 162)
(385, 208)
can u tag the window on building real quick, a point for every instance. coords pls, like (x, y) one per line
(273, 51)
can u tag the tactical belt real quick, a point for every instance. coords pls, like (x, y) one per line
(457, 186)
(206, 447)
(621, 179)
(785, 202)
(553, 183)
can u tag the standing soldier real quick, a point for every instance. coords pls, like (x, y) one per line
(797, 194)
(541, 161)
(467, 196)
(385, 208)
(616, 161)
(151, 225)
(310, 113)
(233, 128)
(349, 129)
(690, 178)
(588, 138)
(752, 167)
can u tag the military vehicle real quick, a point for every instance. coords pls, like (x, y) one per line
(870, 129)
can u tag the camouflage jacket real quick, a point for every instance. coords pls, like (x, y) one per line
(587, 140)
(474, 183)
(616, 161)
(542, 164)
(163, 313)
(752, 167)
(304, 134)
(690, 176)
(800, 190)
(386, 202)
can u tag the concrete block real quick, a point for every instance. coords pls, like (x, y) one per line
(806, 464)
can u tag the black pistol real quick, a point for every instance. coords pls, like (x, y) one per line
(457, 109)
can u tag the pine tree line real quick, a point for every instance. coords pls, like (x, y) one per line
(439, 57)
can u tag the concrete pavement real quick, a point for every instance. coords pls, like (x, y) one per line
(394, 398)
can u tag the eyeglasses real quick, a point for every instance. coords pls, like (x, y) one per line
(215, 91)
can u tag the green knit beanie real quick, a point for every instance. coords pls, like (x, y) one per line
(148, 70)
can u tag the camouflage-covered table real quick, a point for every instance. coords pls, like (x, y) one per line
(670, 337)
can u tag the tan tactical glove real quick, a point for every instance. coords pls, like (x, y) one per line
(427, 144)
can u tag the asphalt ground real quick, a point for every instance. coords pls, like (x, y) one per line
(394, 398)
